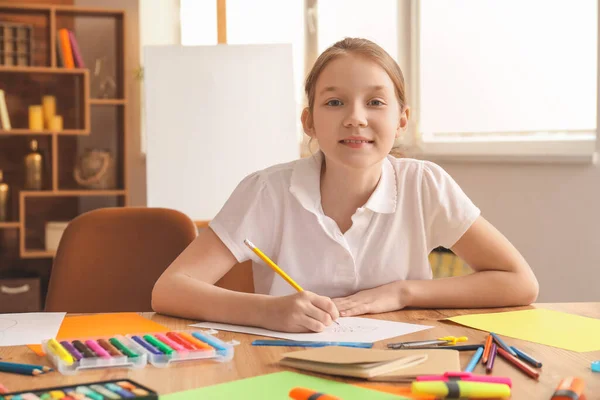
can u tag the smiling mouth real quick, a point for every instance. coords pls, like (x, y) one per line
(356, 141)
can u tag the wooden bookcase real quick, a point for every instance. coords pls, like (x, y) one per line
(94, 116)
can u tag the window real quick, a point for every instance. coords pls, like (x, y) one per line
(508, 77)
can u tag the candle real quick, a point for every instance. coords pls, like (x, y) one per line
(49, 106)
(56, 123)
(36, 120)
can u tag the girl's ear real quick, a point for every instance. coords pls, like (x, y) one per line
(307, 122)
(403, 123)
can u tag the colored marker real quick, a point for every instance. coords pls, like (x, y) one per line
(210, 340)
(83, 349)
(122, 348)
(474, 360)
(526, 357)
(490, 364)
(112, 350)
(570, 388)
(518, 363)
(146, 345)
(158, 344)
(501, 343)
(60, 351)
(72, 350)
(300, 393)
(467, 377)
(174, 336)
(459, 389)
(486, 349)
(96, 348)
(172, 344)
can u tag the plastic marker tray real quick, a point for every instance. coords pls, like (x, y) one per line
(136, 350)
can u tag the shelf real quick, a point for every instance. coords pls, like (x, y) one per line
(10, 225)
(43, 70)
(67, 132)
(108, 102)
(71, 193)
(37, 254)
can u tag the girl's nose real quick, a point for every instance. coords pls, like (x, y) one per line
(356, 117)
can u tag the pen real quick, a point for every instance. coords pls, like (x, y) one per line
(448, 340)
(301, 343)
(526, 357)
(518, 363)
(274, 267)
(503, 345)
(486, 349)
(464, 347)
(492, 357)
(459, 389)
(474, 360)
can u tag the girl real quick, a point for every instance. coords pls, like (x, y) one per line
(352, 225)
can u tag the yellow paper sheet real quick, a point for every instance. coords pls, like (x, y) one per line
(552, 328)
(84, 326)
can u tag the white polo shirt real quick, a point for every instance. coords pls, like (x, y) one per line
(415, 208)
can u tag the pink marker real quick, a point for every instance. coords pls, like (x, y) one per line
(467, 377)
(96, 348)
(174, 345)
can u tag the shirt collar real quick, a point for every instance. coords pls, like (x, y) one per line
(306, 181)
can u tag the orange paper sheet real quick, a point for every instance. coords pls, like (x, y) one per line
(84, 326)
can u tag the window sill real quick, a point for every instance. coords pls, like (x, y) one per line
(569, 149)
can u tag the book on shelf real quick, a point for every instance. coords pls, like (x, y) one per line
(67, 52)
(4, 119)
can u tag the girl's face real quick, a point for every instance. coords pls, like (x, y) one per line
(356, 114)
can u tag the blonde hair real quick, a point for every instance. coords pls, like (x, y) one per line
(361, 47)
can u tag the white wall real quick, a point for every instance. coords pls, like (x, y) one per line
(551, 213)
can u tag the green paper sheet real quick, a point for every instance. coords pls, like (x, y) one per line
(552, 328)
(277, 386)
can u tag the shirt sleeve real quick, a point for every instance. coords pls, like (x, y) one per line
(448, 212)
(247, 214)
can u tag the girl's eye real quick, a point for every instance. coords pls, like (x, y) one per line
(334, 103)
(376, 103)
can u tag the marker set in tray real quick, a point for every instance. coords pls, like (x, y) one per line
(103, 390)
(135, 351)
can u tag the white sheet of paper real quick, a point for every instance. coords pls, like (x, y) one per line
(29, 328)
(350, 329)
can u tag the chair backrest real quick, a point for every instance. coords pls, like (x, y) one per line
(109, 259)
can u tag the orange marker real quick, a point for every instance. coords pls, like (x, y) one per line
(570, 388)
(486, 349)
(308, 394)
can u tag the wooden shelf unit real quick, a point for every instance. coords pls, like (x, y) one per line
(97, 120)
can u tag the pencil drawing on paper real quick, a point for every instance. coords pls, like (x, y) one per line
(5, 325)
(352, 329)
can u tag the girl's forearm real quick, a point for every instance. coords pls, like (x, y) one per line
(184, 296)
(480, 289)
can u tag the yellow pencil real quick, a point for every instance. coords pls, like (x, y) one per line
(275, 268)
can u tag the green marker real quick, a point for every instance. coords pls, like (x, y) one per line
(124, 349)
(158, 344)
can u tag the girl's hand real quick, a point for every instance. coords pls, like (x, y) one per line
(372, 301)
(300, 312)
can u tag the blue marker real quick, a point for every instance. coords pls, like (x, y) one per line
(300, 343)
(526, 357)
(146, 345)
(474, 360)
(210, 341)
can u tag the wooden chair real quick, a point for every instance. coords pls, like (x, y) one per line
(109, 259)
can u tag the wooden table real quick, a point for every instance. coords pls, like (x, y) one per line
(252, 361)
